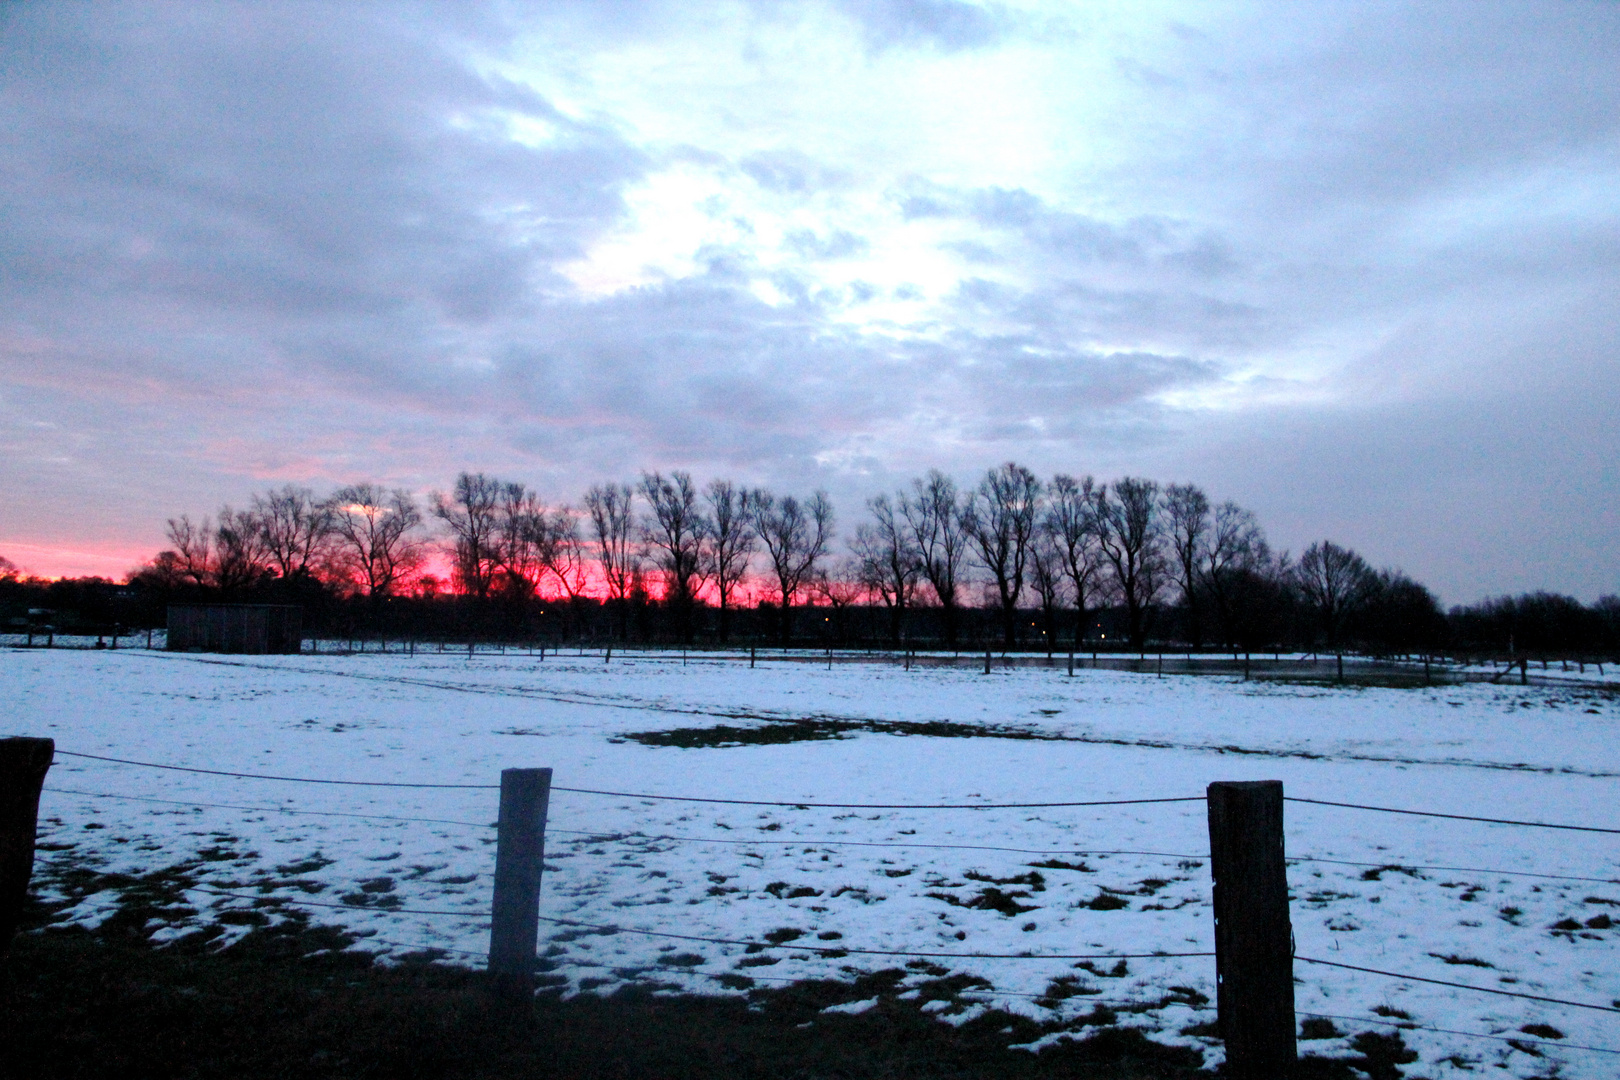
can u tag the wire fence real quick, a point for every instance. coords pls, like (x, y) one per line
(838, 949)
(1304, 665)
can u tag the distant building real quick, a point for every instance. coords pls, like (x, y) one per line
(235, 628)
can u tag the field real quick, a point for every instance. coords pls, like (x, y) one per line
(1504, 907)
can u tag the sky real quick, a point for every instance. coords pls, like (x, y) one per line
(1356, 267)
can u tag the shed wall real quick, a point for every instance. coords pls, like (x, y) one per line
(235, 628)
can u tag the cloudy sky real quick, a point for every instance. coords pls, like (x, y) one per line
(1354, 266)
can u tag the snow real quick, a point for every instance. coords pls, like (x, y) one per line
(741, 872)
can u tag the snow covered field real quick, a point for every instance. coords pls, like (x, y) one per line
(1458, 901)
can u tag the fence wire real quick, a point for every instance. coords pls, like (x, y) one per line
(1460, 986)
(1407, 1025)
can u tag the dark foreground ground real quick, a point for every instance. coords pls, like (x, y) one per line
(110, 1004)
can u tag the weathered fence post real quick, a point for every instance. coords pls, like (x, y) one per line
(1254, 961)
(520, 850)
(987, 661)
(23, 763)
(1071, 663)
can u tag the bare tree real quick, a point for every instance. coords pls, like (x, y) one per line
(887, 560)
(296, 529)
(376, 534)
(241, 560)
(1131, 536)
(1047, 578)
(1071, 522)
(193, 548)
(841, 588)
(164, 574)
(521, 520)
(565, 556)
(934, 514)
(999, 520)
(473, 514)
(612, 511)
(1335, 582)
(676, 530)
(795, 536)
(732, 543)
(1186, 521)
(1236, 548)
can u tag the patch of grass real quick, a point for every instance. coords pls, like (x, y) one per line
(1062, 988)
(1058, 864)
(1318, 1027)
(1377, 873)
(685, 959)
(1106, 901)
(1034, 880)
(288, 1000)
(1381, 1054)
(772, 731)
(991, 899)
(1469, 961)
(783, 891)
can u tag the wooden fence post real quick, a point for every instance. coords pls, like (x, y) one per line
(1071, 663)
(1254, 961)
(751, 651)
(520, 850)
(987, 661)
(23, 763)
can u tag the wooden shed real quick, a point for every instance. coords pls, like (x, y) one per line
(235, 628)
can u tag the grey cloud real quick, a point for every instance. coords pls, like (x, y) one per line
(949, 25)
(1073, 240)
(837, 244)
(792, 172)
(277, 168)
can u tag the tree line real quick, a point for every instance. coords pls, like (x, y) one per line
(1067, 561)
